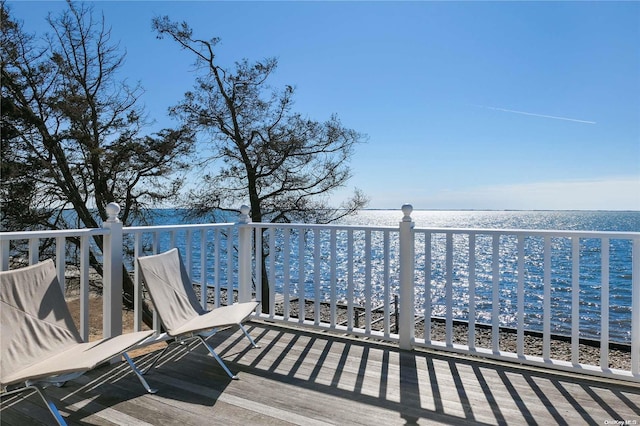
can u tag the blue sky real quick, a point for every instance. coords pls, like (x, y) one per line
(467, 105)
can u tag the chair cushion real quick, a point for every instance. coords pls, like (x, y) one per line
(38, 337)
(78, 358)
(170, 289)
(219, 317)
(35, 321)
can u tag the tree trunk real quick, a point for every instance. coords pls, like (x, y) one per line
(128, 300)
(266, 302)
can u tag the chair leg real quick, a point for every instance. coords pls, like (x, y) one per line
(139, 374)
(48, 402)
(183, 342)
(246, 333)
(50, 405)
(156, 359)
(217, 358)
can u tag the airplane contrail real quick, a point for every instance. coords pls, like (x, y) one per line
(575, 120)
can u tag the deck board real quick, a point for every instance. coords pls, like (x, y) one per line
(303, 378)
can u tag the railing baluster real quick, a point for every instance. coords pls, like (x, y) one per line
(449, 289)
(188, 244)
(203, 268)
(575, 300)
(258, 263)
(5, 248)
(230, 251)
(316, 276)
(546, 301)
(173, 239)
(350, 280)
(155, 242)
(84, 287)
(367, 280)
(604, 304)
(333, 276)
(272, 271)
(217, 285)
(34, 251)
(520, 297)
(61, 263)
(427, 286)
(471, 340)
(137, 282)
(495, 302)
(286, 269)
(387, 285)
(301, 276)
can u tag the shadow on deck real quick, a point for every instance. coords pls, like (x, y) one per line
(305, 378)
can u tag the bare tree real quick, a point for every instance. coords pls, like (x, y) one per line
(73, 132)
(286, 165)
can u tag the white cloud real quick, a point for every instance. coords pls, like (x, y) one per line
(614, 193)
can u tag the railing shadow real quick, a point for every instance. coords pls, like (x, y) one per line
(420, 385)
(100, 393)
(406, 387)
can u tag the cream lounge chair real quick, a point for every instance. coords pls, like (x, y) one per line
(176, 303)
(40, 344)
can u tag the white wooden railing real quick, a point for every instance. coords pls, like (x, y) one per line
(543, 288)
(378, 282)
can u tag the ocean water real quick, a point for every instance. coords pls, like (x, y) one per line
(590, 310)
(624, 221)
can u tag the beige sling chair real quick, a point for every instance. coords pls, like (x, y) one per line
(40, 344)
(176, 303)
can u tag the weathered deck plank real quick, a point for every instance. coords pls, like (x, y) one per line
(303, 378)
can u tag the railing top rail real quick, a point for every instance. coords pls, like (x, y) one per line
(53, 233)
(322, 226)
(534, 232)
(16, 235)
(138, 229)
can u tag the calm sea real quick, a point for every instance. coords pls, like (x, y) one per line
(620, 268)
(626, 221)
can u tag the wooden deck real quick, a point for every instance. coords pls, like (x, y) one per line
(298, 377)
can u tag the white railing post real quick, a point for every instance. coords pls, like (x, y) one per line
(244, 255)
(635, 307)
(112, 278)
(406, 326)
